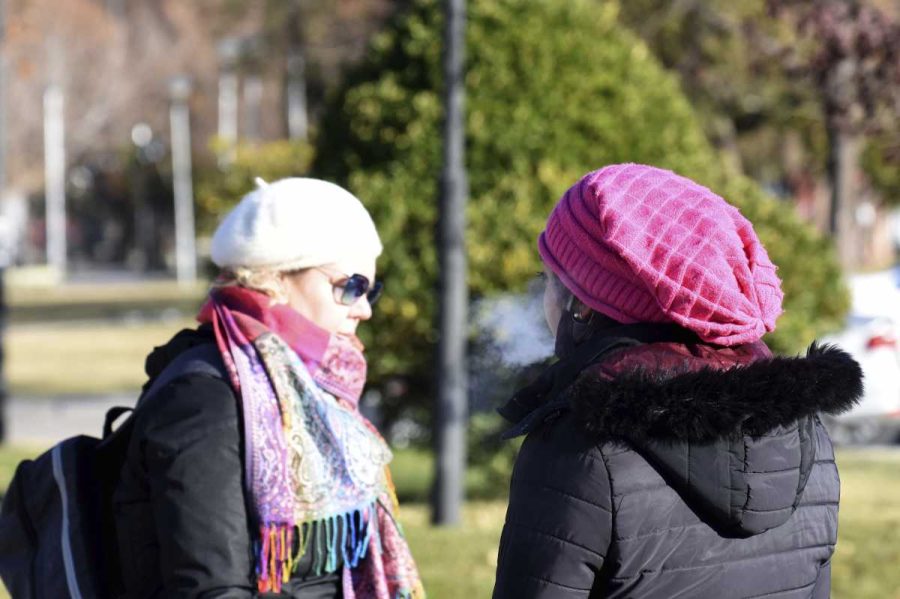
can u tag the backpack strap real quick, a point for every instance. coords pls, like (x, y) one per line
(110, 453)
(111, 416)
(200, 359)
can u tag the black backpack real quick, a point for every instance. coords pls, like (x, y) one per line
(57, 533)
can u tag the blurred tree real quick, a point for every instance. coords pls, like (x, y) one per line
(113, 67)
(3, 260)
(881, 161)
(554, 89)
(296, 114)
(708, 43)
(851, 54)
(219, 190)
(113, 61)
(303, 44)
(755, 76)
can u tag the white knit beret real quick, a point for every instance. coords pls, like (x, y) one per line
(294, 223)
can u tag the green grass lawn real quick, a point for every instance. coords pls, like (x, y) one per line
(92, 301)
(458, 563)
(91, 338)
(75, 357)
(867, 561)
(163, 291)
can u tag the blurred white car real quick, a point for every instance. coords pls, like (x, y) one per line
(872, 337)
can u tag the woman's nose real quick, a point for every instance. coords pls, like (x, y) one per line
(361, 309)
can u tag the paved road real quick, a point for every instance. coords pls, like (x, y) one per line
(42, 421)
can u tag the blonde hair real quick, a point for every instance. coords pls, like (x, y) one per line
(264, 280)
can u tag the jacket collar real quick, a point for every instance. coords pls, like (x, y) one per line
(709, 404)
(549, 392)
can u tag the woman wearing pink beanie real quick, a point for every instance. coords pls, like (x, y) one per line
(668, 453)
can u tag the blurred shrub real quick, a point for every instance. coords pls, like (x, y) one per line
(881, 162)
(490, 458)
(816, 297)
(218, 189)
(554, 89)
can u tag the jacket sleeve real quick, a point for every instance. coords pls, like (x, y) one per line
(559, 520)
(192, 456)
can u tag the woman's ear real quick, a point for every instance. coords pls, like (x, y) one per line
(580, 311)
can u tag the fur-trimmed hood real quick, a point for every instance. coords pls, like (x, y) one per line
(736, 443)
(710, 404)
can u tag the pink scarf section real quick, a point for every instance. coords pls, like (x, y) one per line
(336, 362)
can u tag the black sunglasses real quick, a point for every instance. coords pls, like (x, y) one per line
(349, 288)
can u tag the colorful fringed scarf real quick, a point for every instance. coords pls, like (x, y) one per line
(315, 467)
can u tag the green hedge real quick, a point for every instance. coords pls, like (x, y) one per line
(218, 189)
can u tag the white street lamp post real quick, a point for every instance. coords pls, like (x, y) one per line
(55, 177)
(179, 117)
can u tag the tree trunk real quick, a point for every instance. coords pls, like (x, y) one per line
(452, 400)
(295, 114)
(253, 97)
(144, 227)
(843, 163)
(726, 142)
(2, 98)
(2, 191)
(228, 51)
(3, 389)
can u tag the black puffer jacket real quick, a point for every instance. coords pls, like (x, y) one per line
(180, 508)
(680, 471)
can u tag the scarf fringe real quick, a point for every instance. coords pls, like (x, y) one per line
(417, 593)
(346, 535)
(274, 556)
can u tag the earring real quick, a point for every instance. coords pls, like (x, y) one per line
(584, 316)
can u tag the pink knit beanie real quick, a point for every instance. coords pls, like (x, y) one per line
(642, 244)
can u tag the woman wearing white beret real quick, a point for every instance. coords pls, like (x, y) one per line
(250, 471)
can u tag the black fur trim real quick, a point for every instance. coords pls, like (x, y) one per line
(712, 404)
